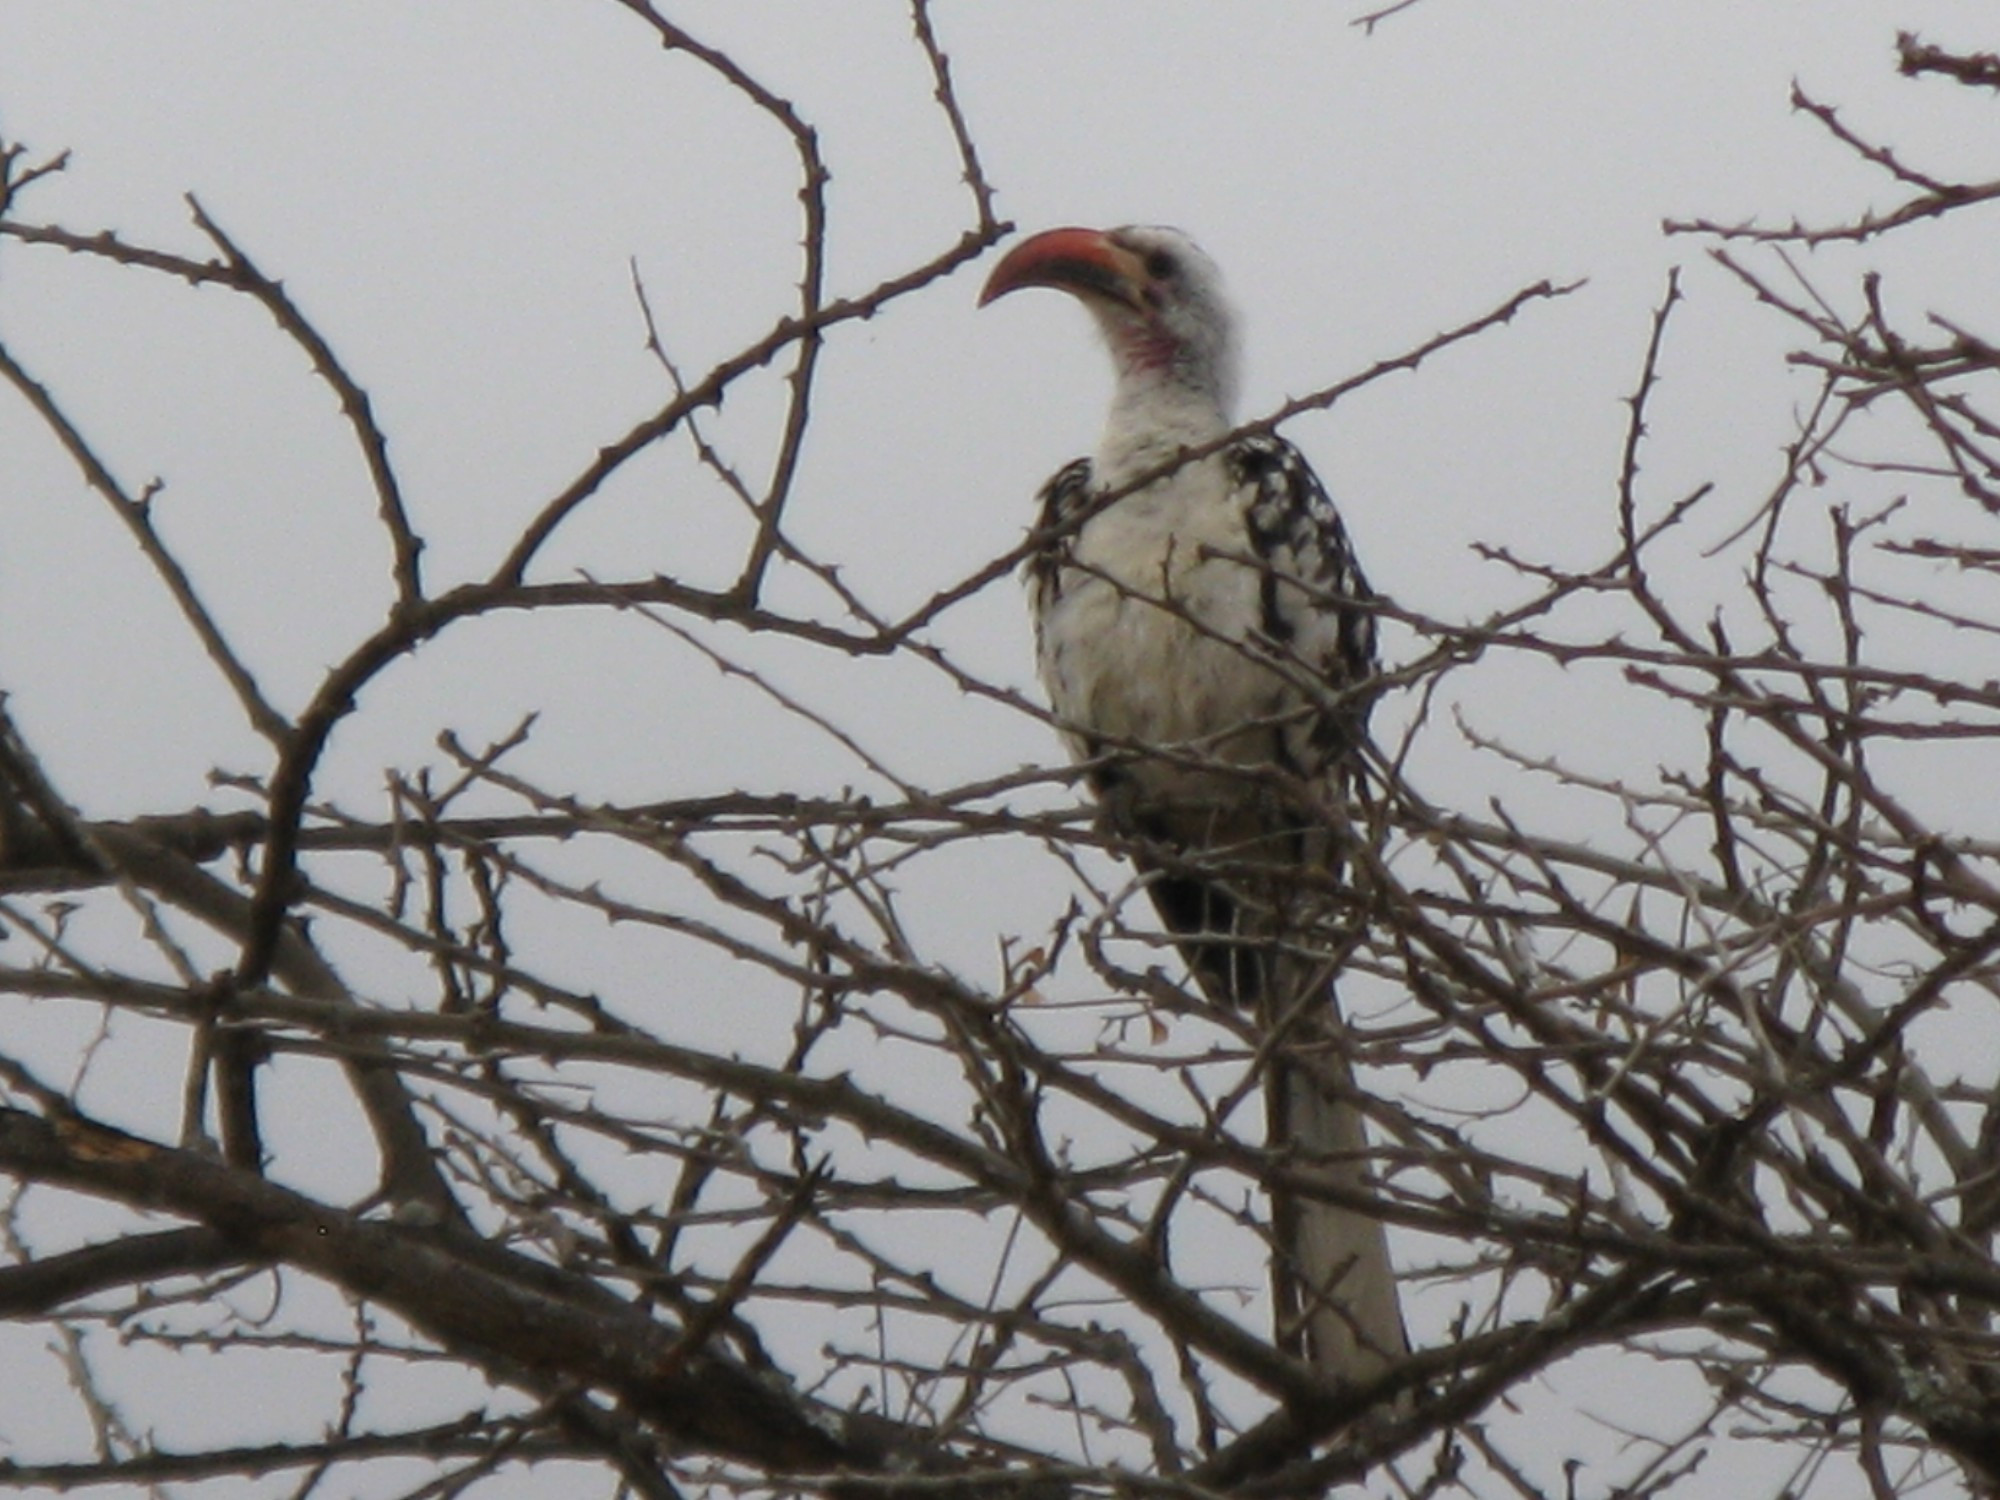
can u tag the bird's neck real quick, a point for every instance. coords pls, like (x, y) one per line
(1154, 416)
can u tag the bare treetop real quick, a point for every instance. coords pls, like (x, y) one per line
(741, 1137)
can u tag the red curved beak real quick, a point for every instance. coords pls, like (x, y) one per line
(1085, 262)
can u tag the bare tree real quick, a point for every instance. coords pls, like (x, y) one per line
(1681, 1070)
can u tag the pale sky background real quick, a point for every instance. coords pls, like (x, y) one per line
(455, 192)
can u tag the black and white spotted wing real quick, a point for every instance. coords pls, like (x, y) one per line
(1326, 622)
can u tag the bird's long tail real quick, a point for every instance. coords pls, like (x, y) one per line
(1336, 1292)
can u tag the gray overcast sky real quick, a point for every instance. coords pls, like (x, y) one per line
(456, 191)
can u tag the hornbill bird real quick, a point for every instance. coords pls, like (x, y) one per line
(1206, 640)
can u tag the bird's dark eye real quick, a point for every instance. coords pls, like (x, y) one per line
(1161, 265)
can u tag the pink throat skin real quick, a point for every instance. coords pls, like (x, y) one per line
(1145, 349)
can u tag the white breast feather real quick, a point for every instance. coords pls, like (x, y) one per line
(1150, 636)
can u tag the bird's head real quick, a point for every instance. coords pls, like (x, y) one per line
(1156, 296)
